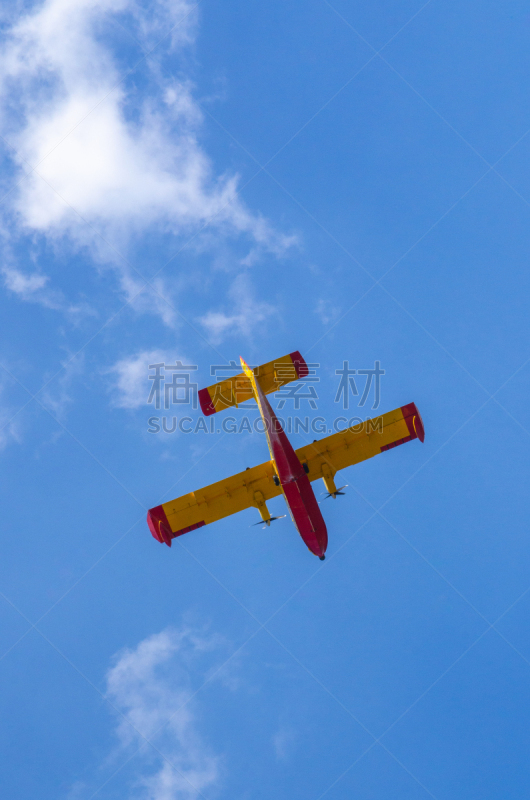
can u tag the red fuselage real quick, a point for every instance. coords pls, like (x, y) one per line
(299, 496)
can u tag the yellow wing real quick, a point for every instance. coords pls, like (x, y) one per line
(236, 390)
(256, 485)
(326, 456)
(253, 487)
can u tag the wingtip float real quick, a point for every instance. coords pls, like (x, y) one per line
(289, 472)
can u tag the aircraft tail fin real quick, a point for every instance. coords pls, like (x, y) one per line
(237, 389)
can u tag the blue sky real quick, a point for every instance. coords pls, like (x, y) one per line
(198, 182)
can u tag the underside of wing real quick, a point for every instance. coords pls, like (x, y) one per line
(363, 441)
(256, 485)
(250, 488)
(236, 390)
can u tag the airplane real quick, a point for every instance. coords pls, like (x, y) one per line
(289, 472)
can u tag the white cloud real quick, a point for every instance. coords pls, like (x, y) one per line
(283, 743)
(78, 791)
(150, 686)
(10, 429)
(247, 313)
(57, 396)
(327, 310)
(132, 386)
(11, 421)
(34, 288)
(24, 285)
(119, 158)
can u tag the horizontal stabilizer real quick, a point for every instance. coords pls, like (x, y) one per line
(236, 390)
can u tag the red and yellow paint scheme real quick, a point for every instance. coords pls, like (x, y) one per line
(289, 472)
(271, 377)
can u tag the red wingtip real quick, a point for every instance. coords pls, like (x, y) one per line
(205, 400)
(300, 365)
(414, 421)
(159, 525)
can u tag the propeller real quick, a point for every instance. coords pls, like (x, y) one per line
(334, 494)
(267, 521)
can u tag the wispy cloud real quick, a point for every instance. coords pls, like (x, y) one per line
(10, 425)
(283, 743)
(25, 285)
(150, 686)
(58, 395)
(99, 154)
(131, 385)
(245, 314)
(327, 311)
(34, 287)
